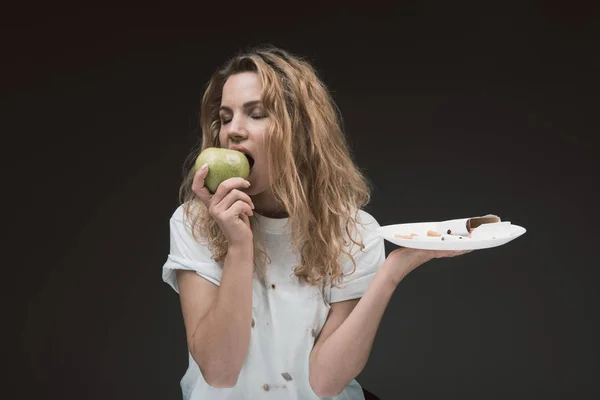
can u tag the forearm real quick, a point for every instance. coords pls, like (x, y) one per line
(344, 354)
(222, 336)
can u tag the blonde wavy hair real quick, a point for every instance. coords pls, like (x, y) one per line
(312, 173)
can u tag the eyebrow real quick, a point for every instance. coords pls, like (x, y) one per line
(246, 105)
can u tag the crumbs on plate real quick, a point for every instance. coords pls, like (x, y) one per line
(433, 234)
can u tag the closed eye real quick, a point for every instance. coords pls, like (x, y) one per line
(253, 116)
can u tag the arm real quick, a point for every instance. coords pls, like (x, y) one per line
(343, 347)
(218, 319)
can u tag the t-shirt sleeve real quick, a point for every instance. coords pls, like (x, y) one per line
(368, 261)
(187, 254)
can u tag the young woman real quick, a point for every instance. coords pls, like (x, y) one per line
(282, 278)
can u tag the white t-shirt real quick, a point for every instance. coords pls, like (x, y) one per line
(288, 314)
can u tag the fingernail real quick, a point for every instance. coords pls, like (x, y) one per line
(202, 168)
(247, 183)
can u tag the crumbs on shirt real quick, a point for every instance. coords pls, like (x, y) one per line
(266, 387)
(286, 376)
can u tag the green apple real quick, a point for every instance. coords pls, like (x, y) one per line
(222, 165)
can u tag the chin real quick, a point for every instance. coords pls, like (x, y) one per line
(256, 185)
(256, 188)
(253, 191)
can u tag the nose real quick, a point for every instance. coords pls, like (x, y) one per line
(236, 131)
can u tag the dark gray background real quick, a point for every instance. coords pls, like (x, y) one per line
(455, 113)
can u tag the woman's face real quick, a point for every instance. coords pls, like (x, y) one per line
(244, 125)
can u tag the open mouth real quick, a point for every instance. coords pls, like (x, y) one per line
(250, 160)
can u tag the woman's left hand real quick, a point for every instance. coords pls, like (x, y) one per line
(403, 260)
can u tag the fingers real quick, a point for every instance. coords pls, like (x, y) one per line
(450, 253)
(198, 185)
(222, 192)
(244, 217)
(233, 197)
(227, 186)
(240, 208)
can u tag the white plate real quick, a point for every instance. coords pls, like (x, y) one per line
(483, 237)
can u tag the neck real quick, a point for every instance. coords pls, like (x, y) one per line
(266, 205)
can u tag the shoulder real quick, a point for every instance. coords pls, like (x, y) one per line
(367, 220)
(366, 232)
(181, 230)
(179, 213)
(181, 216)
(361, 258)
(367, 225)
(188, 252)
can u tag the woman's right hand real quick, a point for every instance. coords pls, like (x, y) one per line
(229, 206)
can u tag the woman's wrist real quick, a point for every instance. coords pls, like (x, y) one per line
(401, 262)
(241, 252)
